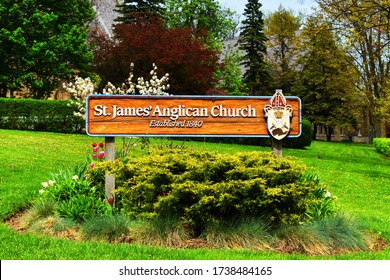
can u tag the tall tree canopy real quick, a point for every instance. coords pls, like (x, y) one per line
(199, 15)
(365, 29)
(252, 41)
(187, 59)
(131, 10)
(282, 29)
(326, 82)
(42, 42)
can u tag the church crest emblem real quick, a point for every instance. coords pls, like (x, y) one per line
(278, 115)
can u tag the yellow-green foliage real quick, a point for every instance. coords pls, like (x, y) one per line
(382, 145)
(202, 186)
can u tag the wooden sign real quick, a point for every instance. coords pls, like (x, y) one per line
(192, 116)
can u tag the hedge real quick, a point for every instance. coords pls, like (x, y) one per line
(302, 141)
(382, 145)
(39, 115)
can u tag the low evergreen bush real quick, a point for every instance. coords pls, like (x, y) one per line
(199, 187)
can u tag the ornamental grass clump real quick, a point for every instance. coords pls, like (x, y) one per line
(111, 228)
(334, 234)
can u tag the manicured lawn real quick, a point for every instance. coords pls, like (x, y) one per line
(355, 173)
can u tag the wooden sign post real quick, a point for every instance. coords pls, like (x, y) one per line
(191, 116)
(110, 180)
(279, 115)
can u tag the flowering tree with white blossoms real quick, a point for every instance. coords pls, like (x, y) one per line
(81, 88)
(78, 91)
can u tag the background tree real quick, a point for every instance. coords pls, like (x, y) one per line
(131, 10)
(326, 82)
(229, 74)
(200, 15)
(252, 41)
(187, 59)
(41, 43)
(282, 29)
(365, 29)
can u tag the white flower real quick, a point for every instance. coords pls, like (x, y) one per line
(41, 191)
(45, 184)
(75, 177)
(51, 182)
(328, 194)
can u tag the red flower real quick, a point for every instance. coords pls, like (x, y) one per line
(110, 200)
(101, 145)
(94, 145)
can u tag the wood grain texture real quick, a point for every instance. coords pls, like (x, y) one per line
(173, 115)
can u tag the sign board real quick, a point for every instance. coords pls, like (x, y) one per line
(187, 116)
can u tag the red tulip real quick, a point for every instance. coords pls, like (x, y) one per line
(94, 145)
(92, 165)
(95, 149)
(94, 155)
(101, 145)
(101, 154)
(110, 200)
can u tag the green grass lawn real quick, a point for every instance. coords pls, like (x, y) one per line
(355, 173)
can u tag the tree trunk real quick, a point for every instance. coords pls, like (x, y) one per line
(329, 131)
(315, 130)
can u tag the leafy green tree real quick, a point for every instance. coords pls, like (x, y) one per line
(326, 82)
(199, 15)
(45, 42)
(132, 10)
(252, 41)
(230, 73)
(282, 29)
(365, 29)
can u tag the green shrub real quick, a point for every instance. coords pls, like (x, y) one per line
(200, 187)
(302, 141)
(74, 195)
(382, 145)
(39, 115)
(322, 202)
